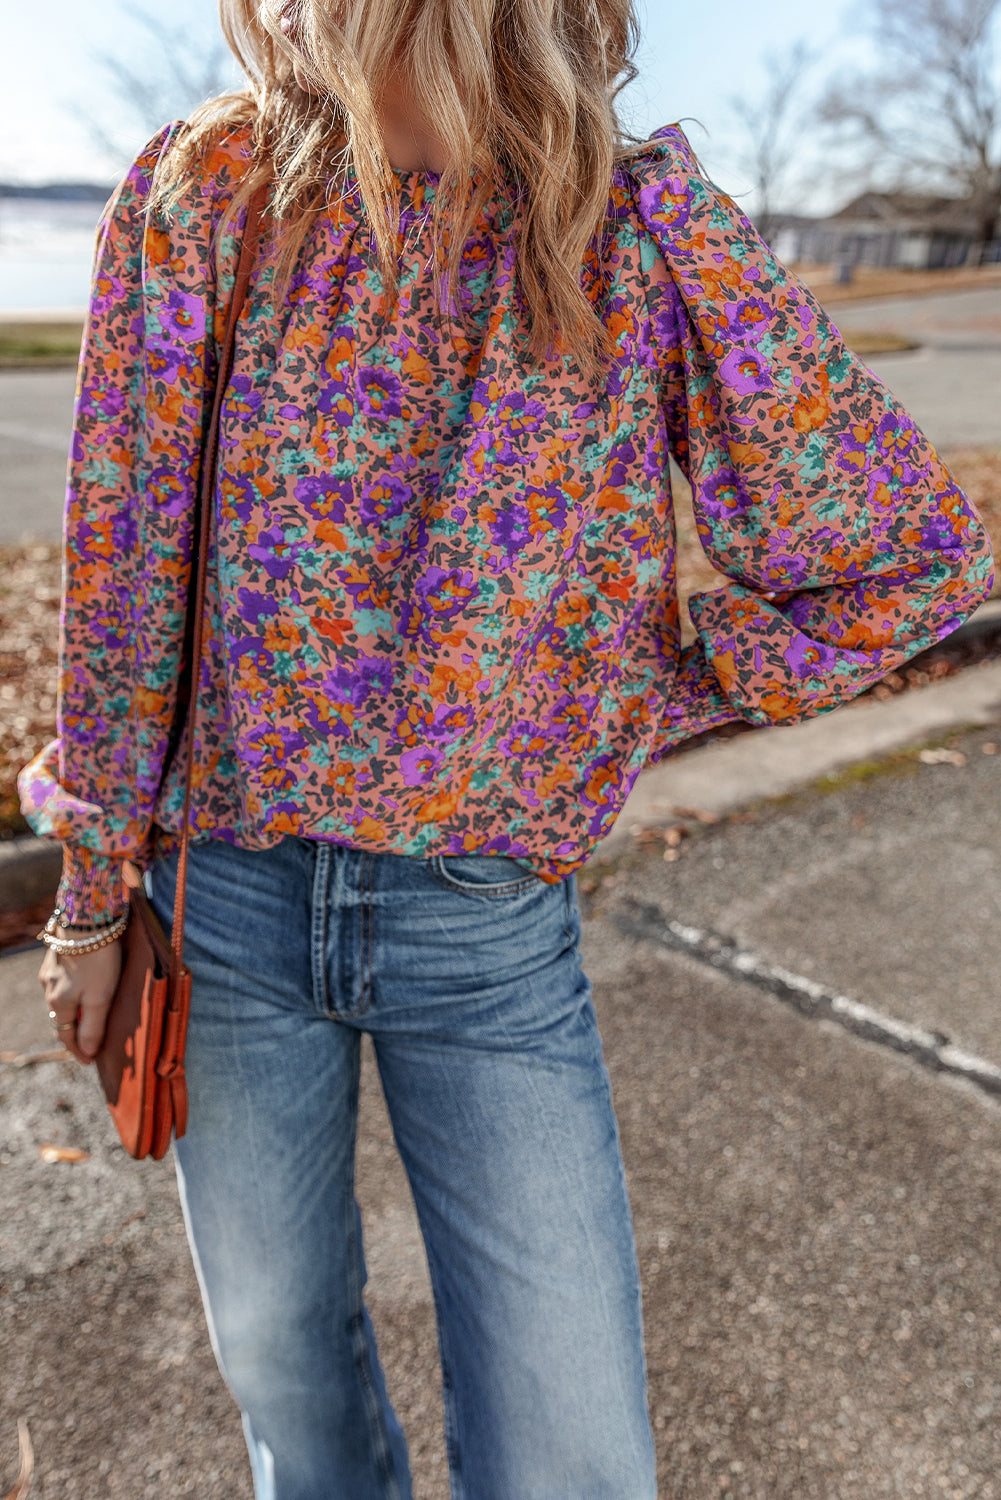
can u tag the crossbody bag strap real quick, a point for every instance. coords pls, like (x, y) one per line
(245, 266)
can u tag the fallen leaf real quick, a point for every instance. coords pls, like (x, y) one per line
(700, 814)
(988, 748)
(26, 1059)
(62, 1153)
(646, 835)
(29, 641)
(942, 757)
(672, 834)
(27, 1457)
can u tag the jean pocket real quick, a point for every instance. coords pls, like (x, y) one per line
(489, 877)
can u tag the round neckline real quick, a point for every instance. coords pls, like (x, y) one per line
(415, 183)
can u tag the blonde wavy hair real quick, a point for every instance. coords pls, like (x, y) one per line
(522, 93)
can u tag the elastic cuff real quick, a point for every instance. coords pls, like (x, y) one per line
(91, 887)
(698, 703)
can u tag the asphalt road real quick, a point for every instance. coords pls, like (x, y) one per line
(950, 386)
(816, 1213)
(36, 418)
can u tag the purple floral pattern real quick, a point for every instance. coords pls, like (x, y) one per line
(442, 612)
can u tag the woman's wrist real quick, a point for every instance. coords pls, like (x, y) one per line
(67, 939)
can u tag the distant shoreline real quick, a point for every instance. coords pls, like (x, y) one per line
(56, 192)
(47, 242)
(43, 315)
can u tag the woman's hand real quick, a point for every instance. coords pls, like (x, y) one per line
(79, 991)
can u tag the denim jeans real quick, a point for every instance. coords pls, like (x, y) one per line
(465, 971)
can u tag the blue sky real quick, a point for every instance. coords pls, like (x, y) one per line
(693, 58)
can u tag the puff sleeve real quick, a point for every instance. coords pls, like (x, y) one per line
(126, 542)
(847, 542)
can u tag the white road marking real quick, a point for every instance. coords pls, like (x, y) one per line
(933, 1049)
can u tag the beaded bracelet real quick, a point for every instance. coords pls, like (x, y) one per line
(65, 946)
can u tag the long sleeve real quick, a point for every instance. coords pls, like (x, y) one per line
(849, 545)
(132, 465)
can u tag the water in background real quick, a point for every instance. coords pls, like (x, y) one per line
(46, 250)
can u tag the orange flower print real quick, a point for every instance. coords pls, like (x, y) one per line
(442, 596)
(602, 783)
(810, 411)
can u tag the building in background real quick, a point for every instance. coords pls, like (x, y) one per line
(916, 231)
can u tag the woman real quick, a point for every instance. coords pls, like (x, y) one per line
(442, 642)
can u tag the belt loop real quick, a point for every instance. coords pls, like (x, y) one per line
(318, 924)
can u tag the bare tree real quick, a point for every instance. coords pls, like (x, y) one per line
(931, 113)
(160, 68)
(771, 129)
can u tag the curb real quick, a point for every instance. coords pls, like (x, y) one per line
(984, 622)
(29, 871)
(721, 777)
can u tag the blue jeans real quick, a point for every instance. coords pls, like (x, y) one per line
(465, 972)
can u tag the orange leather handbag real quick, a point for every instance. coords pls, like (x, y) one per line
(141, 1061)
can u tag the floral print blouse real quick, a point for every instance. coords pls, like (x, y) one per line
(442, 612)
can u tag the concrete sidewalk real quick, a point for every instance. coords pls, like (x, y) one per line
(816, 1213)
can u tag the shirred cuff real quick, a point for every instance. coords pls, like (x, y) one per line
(698, 703)
(91, 887)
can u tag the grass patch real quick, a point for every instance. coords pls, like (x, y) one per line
(895, 763)
(903, 762)
(26, 345)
